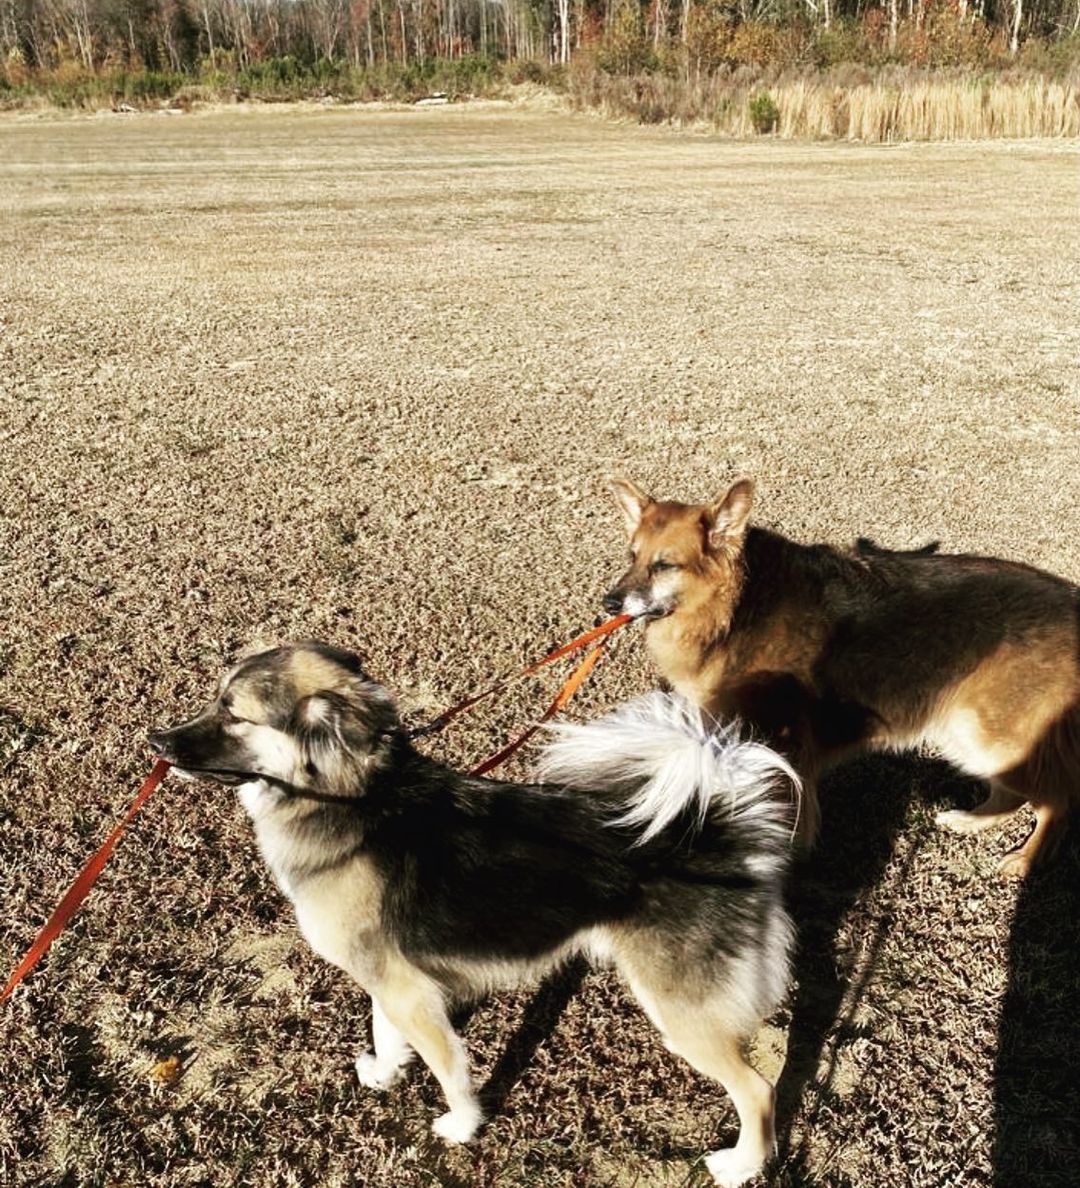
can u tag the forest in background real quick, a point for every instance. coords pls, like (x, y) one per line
(872, 69)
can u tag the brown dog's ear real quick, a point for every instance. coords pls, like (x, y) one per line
(632, 501)
(726, 519)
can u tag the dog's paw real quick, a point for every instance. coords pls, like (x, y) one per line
(372, 1075)
(460, 1125)
(731, 1168)
(1014, 866)
(961, 821)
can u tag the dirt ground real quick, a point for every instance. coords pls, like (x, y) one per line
(360, 375)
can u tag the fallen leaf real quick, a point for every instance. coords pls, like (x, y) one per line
(166, 1072)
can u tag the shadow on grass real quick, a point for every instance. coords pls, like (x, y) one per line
(864, 807)
(1037, 1074)
(541, 1018)
(85, 1061)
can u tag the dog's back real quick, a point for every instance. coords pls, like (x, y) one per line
(642, 811)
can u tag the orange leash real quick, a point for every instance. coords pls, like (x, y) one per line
(575, 645)
(573, 683)
(81, 887)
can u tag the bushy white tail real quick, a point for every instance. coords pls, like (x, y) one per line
(660, 751)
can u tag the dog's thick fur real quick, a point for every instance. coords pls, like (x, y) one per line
(827, 652)
(652, 843)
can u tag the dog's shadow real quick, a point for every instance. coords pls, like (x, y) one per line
(539, 1022)
(1036, 1138)
(864, 807)
(1037, 1072)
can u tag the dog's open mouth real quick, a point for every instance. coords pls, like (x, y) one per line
(655, 612)
(219, 775)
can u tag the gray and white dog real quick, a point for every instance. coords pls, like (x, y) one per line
(653, 844)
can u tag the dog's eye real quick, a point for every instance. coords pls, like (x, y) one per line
(662, 566)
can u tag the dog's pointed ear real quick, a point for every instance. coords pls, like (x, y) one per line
(632, 501)
(341, 735)
(725, 520)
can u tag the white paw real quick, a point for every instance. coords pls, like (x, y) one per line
(960, 821)
(458, 1126)
(733, 1167)
(372, 1075)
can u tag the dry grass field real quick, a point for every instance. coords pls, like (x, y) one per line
(360, 375)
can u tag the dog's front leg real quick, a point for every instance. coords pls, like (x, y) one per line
(383, 1068)
(417, 1012)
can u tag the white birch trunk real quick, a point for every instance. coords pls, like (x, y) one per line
(1018, 16)
(564, 31)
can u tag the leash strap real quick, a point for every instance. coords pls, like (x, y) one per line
(575, 645)
(574, 682)
(69, 905)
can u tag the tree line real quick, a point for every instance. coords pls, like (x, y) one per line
(186, 36)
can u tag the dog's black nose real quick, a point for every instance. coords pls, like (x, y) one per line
(613, 602)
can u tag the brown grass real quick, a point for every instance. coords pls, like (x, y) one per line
(360, 375)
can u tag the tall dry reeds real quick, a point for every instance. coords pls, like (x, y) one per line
(899, 104)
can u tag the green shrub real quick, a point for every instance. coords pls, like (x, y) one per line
(526, 70)
(764, 114)
(151, 84)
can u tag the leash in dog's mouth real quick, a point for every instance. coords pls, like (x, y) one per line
(80, 889)
(218, 775)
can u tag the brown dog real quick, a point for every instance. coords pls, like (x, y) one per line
(828, 652)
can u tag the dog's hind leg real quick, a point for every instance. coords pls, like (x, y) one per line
(1050, 826)
(717, 1052)
(383, 1068)
(415, 1008)
(703, 1034)
(1049, 778)
(997, 808)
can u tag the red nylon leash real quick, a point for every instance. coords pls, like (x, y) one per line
(69, 905)
(573, 683)
(575, 645)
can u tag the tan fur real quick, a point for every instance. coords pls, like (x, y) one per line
(311, 673)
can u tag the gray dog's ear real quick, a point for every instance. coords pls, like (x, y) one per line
(342, 736)
(632, 501)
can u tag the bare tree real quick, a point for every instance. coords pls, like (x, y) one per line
(327, 22)
(78, 13)
(563, 9)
